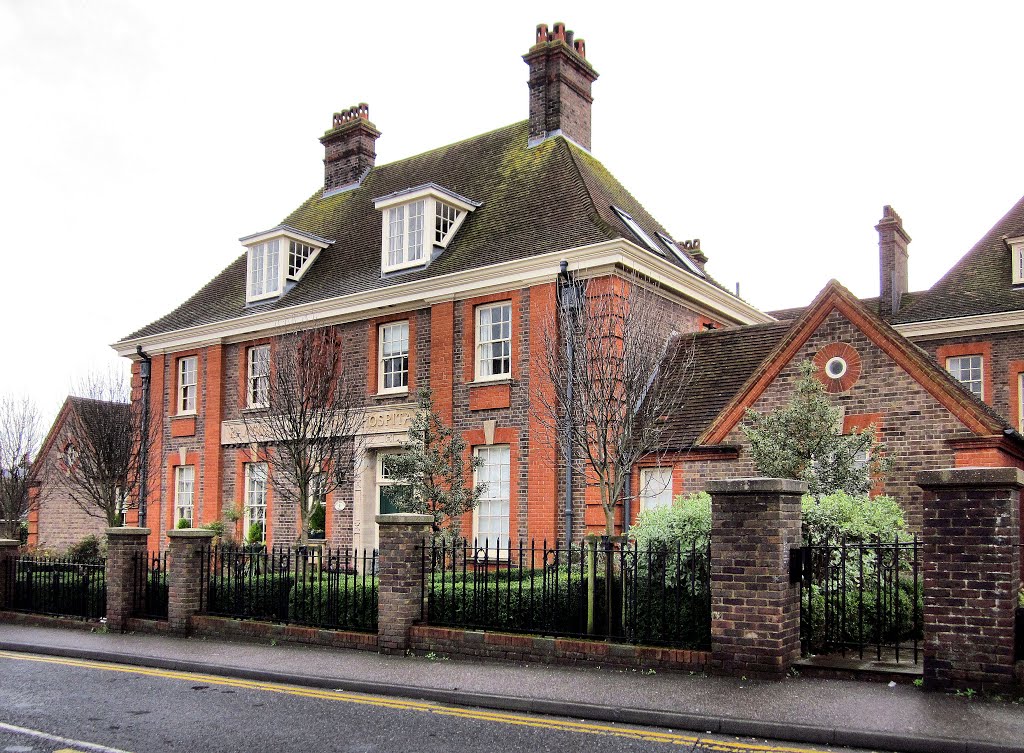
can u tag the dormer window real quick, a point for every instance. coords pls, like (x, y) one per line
(277, 259)
(1017, 259)
(405, 242)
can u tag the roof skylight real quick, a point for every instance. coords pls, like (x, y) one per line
(638, 231)
(680, 254)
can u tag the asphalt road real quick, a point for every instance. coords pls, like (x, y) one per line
(55, 704)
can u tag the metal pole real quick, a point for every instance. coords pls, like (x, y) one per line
(566, 303)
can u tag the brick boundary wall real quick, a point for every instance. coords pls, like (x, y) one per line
(972, 575)
(8, 553)
(47, 620)
(123, 545)
(183, 568)
(399, 578)
(226, 627)
(516, 647)
(755, 610)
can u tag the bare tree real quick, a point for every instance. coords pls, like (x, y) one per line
(19, 442)
(607, 395)
(104, 447)
(307, 414)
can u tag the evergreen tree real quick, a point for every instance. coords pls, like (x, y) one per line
(804, 440)
(434, 470)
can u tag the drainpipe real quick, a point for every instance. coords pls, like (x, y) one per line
(568, 304)
(145, 365)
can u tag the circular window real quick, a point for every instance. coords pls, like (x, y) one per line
(839, 367)
(835, 367)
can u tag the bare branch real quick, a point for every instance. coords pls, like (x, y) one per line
(19, 442)
(102, 445)
(308, 422)
(608, 406)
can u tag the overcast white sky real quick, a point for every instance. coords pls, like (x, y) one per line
(139, 140)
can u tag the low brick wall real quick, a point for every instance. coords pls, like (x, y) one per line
(225, 627)
(475, 644)
(45, 620)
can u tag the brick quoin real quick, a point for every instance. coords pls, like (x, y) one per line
(542, 455)
(755, 610)
(972, 575)
(211, 499)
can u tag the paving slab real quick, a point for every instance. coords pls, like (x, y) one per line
(837, 712)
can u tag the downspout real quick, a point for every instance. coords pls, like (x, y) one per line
(567, 304)
(145, 366)
(627, 506)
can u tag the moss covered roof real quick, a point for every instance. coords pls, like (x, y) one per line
(980, 283)
(537, 200)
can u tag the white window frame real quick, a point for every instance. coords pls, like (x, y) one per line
(655, 487)
(184, 494)
(1020, 402)
(264, 266)
(957, 362)
(397, 227)
(257, 483)
(484, 346)
(257, 385)
(383, 358)
(1016, 259)
(274, 270)
(188, 391)
(403, 231)
(502, 496)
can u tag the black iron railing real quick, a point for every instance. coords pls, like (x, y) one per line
(64, 587)
(319, 587)
(597, 589)
(862, 598)
(149, 598)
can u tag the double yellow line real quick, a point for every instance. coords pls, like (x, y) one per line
(500, 717)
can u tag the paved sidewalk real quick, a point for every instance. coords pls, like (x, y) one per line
(831, 712)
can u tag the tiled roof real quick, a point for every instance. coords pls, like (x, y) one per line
(536, 200)
(980, 283)
(722, 361)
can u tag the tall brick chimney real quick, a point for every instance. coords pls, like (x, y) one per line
(560, 79)
(892, 262)
(348, 148)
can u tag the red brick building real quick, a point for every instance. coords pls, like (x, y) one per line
(939, 373)
(437, 270)
(61, 515)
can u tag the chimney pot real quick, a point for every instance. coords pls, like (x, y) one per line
(569, 37)
(581, 48)
(542, 33)
(559, 31)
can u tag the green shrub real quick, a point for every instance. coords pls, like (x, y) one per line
(251, 594)
(858, 518)
(255, 534)
(216, 526)
(334, 600)
(317, 520)
(687, 521)
(183, 523)
(60, 589)
(89, 548)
